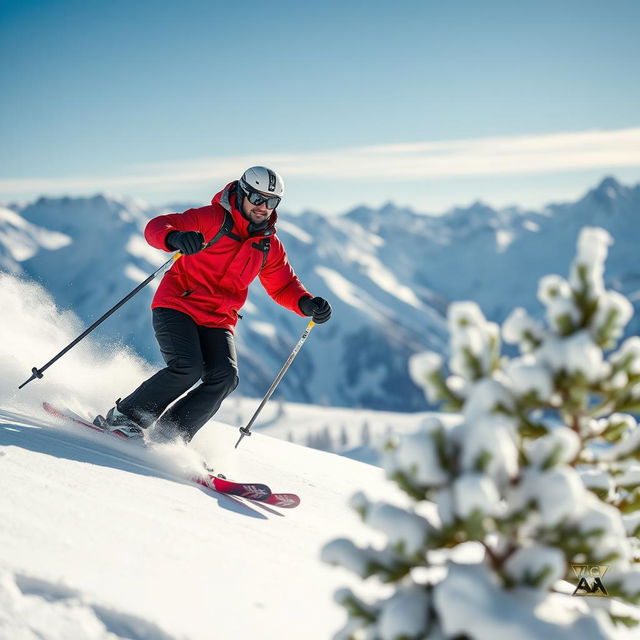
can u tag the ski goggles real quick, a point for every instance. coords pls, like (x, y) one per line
(256, 198)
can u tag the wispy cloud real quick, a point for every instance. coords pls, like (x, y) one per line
(492, 156)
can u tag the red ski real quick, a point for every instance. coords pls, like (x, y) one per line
(283, 500)
(248, 490)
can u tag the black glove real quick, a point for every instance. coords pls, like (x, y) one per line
(186, 242)
(319, 308)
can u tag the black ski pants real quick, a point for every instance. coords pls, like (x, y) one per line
(192, 352)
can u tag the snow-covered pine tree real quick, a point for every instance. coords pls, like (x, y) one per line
(344, 438)
(325, 439)
(534, 472)
(365, 434)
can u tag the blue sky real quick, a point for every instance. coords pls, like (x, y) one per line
(427, 104)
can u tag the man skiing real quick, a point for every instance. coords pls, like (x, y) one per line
(224, 247)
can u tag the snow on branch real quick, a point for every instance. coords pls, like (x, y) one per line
(540, 470)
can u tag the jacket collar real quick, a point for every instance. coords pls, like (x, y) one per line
(227, 199)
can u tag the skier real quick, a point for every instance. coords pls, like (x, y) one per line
(224, 246)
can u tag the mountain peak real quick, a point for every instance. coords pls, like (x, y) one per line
(609, 188)
(70, 214)
(609, 181)
(360, 214)
(390, 205)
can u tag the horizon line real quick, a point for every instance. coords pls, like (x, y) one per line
(141, 202)
(396, 162)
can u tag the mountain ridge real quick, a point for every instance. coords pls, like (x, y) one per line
(389, 273)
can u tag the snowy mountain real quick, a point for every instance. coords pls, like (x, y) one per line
(389, 274)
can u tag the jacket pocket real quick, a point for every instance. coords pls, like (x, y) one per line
(246, 264)
(248, 267)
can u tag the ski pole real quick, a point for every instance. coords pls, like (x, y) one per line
(245, 431)
(37, 373)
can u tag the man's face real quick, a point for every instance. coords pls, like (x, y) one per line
(256, 214)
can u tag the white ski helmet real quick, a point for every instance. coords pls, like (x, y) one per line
(262, 179)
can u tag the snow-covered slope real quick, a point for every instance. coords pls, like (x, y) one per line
(100, 537)
(389, 274)
(21, 240)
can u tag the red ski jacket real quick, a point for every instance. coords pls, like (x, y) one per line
(211, 286)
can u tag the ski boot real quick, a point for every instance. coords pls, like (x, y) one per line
(118, 422)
